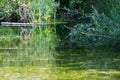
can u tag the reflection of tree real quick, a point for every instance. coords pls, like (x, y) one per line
(88, 59)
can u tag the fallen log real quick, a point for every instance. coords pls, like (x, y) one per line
(14, 24)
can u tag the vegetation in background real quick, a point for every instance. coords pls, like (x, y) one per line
(86, 5)
(102, 31)
(102, 28)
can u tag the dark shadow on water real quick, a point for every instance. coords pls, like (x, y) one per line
(90, 59)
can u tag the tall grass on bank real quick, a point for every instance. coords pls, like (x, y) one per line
(43, 10)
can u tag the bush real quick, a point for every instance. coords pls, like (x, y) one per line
(86, 5)
(102, 31)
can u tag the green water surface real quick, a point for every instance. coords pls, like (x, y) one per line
(80, 65)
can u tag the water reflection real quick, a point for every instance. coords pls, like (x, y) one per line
(89, 60)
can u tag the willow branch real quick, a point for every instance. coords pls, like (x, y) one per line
(97, 35)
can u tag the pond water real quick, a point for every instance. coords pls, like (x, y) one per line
(38, 60)
(64, 65)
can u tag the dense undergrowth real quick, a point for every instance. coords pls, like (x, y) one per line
(101, 29)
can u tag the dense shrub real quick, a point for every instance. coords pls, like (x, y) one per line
(41, 9)
(86, 5)
(102, 31)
